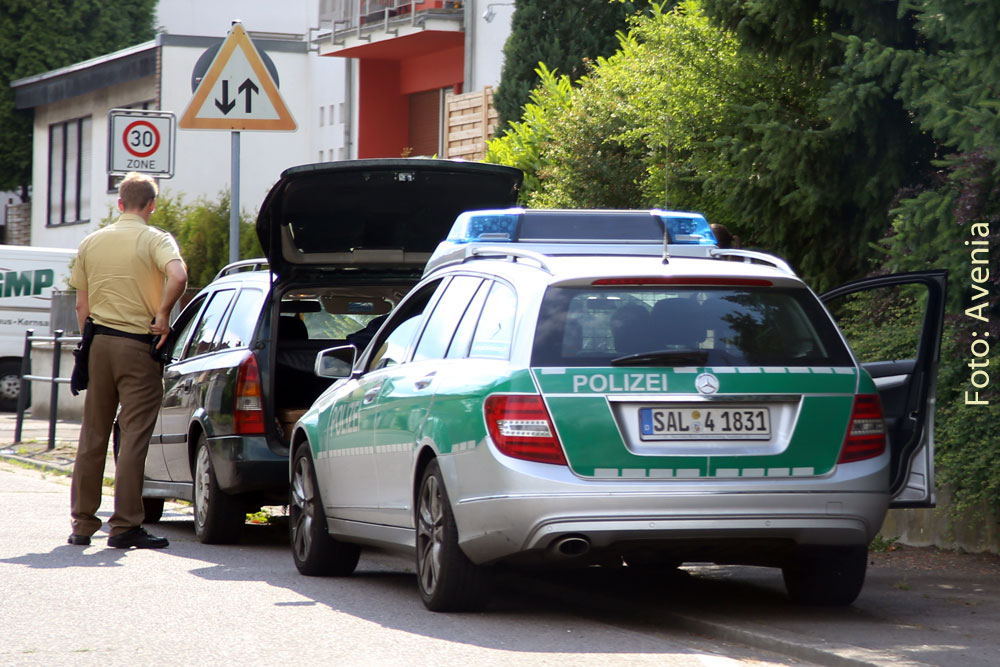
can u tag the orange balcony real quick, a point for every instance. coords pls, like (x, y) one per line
(390, 29)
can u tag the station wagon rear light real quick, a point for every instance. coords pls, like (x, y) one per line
(684, 280)
(248, 405)
(866, 432)
(522, 429)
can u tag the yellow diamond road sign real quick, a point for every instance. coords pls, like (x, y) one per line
(237, 92)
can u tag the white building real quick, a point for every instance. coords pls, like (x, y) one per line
(362, 78)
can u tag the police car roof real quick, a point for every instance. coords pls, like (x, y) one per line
(631, 270)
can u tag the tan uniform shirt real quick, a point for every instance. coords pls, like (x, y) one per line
(122, 267)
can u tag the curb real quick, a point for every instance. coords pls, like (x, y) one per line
(36, 464)
(791, 644)
(43, 466)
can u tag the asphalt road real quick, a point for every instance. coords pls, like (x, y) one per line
(246, 604)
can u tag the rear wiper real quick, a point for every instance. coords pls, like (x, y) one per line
(663, 358)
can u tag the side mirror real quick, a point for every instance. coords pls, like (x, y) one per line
(336, 362)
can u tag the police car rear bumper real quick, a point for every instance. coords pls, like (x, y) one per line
(495, 528)
(505, 507)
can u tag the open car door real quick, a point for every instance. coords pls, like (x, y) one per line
(893, 324)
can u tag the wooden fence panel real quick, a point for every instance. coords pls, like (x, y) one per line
(470, 121)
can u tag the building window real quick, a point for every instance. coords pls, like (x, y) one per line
(425, 122)
(69, 171)
(331, 115)
(322, 114)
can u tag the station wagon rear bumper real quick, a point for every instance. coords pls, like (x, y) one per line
(245, 464)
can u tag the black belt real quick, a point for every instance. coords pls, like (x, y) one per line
(100, 330)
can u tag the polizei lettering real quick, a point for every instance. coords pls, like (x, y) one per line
(26, 283)
(601, 383)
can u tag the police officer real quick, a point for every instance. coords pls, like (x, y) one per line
(128, 276)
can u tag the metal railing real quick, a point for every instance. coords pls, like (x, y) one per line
(351, 16)
(57, 340)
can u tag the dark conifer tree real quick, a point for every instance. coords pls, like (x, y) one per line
(40, 35)
(565, 35)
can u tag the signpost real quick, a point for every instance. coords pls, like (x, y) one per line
(237, 93)
(141, 141)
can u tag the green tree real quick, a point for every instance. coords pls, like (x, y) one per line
(644, 126)
(523, 144)
(33, 39)
(923, 72)
(565, 35)
(851, 137)
(201, 228)
(951, 218)
(824, 184)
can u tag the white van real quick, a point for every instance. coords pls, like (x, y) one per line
(27, 277)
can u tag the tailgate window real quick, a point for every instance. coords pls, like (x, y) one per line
(689, 326)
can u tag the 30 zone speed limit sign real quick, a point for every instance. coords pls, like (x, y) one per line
(141, 141)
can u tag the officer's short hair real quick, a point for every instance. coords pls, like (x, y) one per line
(137, 190)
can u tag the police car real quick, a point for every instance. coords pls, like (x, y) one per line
(611, 387)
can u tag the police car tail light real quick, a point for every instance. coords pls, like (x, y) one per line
(521, 428)
(248, 406)
(866, 432)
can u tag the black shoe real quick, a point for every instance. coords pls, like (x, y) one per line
(78, 540)
(137, 537)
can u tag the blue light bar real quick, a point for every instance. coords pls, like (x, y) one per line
(493, 225)
(687, 228)
(514, 225)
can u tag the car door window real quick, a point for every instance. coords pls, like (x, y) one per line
(495, 330)
(185, 323)
(448, 311)
(893, 324)
(460, 342)
(204, 334)
(392, 345)
(882, 324)
(242, 320)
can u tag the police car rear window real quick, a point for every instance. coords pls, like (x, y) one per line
(715, 326)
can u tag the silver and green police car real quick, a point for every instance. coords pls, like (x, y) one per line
(610, 387)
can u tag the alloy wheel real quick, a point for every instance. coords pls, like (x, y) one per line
(430, 534)
(303, 510)
(202, 485)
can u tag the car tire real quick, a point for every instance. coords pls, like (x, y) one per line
(826, 576)
(447, 579)
(316, 554)
(10, 385)
(152, 510)
(218, 516)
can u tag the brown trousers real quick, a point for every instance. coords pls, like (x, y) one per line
(121, 371)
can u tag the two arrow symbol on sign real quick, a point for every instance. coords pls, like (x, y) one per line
(248, 88)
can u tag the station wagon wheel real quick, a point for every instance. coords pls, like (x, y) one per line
(10, 385)
(826, 576)
(314, 551)
(448, 580)
(218, 516)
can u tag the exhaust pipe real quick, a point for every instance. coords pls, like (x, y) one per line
(571, 546)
